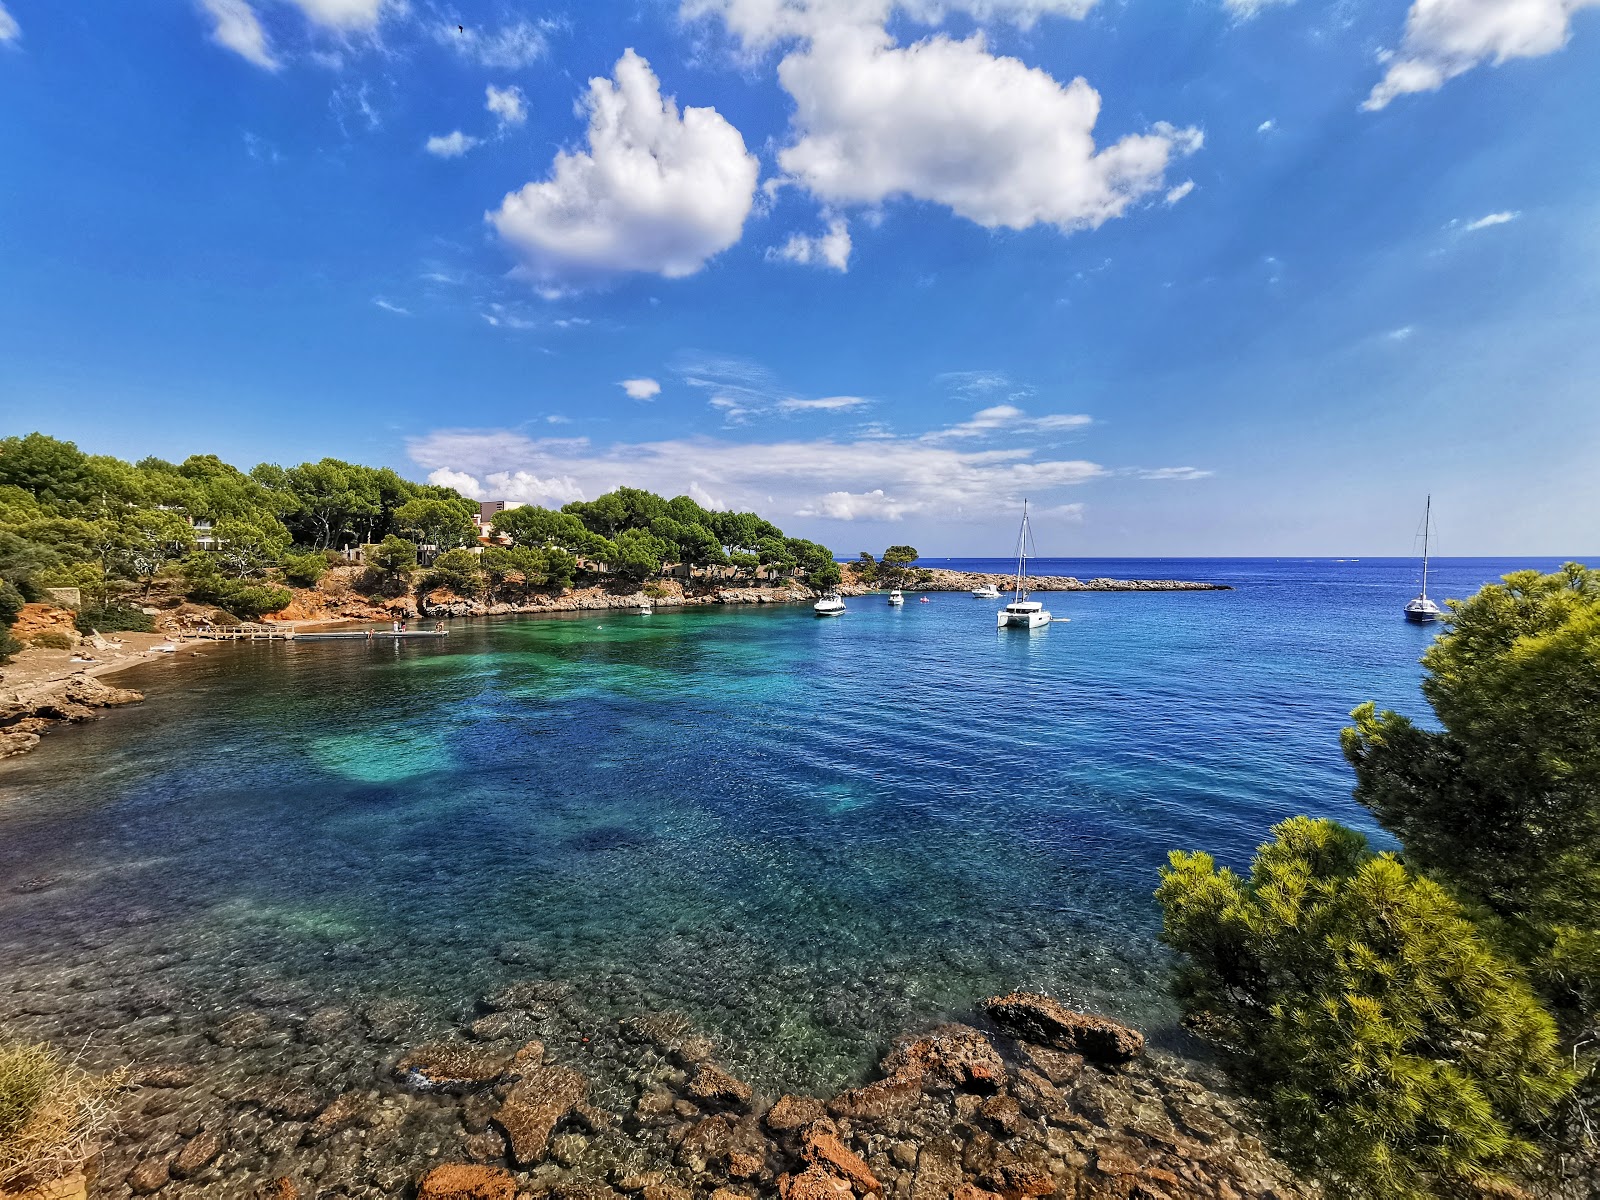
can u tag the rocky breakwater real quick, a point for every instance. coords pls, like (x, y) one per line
(940, 580)
(443, 603)
(36, 706)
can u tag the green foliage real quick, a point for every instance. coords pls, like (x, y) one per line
(1397, 1053)
(11, 602)
(113, 620)
(27, 1073)
(443, 524)
(249, 544)
(393, 557)
(900, 556)
(866, 567)
(248, 601)
(51, 639)
(303, 570)
(1503, 803)
(531, 525)
(637, 554)
(456, 570)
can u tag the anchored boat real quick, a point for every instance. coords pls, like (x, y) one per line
(1422, 609)
(831, 605)
(1023, 613)
(896, 597)
(987, 592)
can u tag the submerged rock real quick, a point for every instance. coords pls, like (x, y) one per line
(453, 1067)
(713, 1086)
(536, 1104)
(466, 1181)
(1040, 1019)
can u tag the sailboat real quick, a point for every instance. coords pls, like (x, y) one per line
(1423, 609)
(1023, 613)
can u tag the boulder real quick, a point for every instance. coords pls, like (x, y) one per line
(1033, 1018)
(713, 1086)
(196, 1153)
(792, 1112)
(813, 1184)
(346, 1110)
(465, 1181)
(820, 1146)
(149, 1176)
(536, 1104)
(950, 1057)
(452, 1067)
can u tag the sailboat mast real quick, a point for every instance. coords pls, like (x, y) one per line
(1022, 552)
(1427, 518)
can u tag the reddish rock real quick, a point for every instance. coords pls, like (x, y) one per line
(1057, 1066)
(464, 1181)
(792, 1112)
(536, 1104)
(821, 1147)
(282, 1188)
(1042, 1020)
(346, 1109)
(949, 1057)
(813, 1184)
(196, 1153)
(743, 1165)
(452, 1066)
(714, 1086)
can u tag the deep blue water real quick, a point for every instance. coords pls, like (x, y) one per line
(806, 834)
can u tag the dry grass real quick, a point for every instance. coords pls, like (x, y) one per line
(51, 1113)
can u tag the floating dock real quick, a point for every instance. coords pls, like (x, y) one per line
(263, 633)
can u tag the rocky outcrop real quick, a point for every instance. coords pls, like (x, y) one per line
(1046, 1022)
(937, 579)
(71, 699)
(37, 619)
(464, 1181)
(453, 1067)
(539, 1101)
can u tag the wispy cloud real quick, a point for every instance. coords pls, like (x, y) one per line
(1491, 220)
(1403, 334)
(509, 47)
(822, 404)
(1177, 473)
(388, 306)
(1179, 192)
(1008, 418)
(507, 104)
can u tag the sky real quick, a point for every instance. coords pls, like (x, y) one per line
(1193, 277)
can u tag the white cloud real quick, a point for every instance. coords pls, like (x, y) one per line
(1178, 473)
(237, 28)
(450, 145)
(10, 31)
(344, 16)
(1179, 192)
(389, 307)
(653, 191)
(859, 479)
(996, 141)
(1403, 334)
(641, 389)
(759, 24)
(1444, 38)
(1267, 126)
(1245, 9)
(822, 404)
(1009, 418)
(828, 249)
(509, 48)
(507, 104)
(1499, 218)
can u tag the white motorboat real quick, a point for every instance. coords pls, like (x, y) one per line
(987, 592)
(896, 597)
(831, 605)
(644, 610)
(1023, 613)
(1422, 610)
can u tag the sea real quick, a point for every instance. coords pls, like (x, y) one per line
(803, 835)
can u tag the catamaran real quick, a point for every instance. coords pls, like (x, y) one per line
(1023, 613)
(831, 605)
(1423, 609)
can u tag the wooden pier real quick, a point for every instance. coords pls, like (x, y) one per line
(268, 633)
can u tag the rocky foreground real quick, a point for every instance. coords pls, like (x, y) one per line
(38, 705)
(1032, 1099)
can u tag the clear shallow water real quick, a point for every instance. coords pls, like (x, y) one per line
(807, 835)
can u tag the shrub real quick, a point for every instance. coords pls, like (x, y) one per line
(113, 620)
(11, 602)
(456, 570)
(303, 570)
(1397, 1053)
(51, 639)
(655, 591)
(51, 1112)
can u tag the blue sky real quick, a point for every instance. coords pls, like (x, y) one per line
(1217, 277)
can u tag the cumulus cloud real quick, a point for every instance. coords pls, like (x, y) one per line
(827, 249)
(641, 389)
(1444, 38)
(1489, 221)
(235, 26)
(508, 48)
(654, 191)
(507, 104)
(998, 142)
(1267, 126)
(842, 479)
(450, 145)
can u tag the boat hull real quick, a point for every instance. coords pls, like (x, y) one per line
(1032, 620)
(1421, 612)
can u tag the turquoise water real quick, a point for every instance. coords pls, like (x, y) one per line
(808, 835)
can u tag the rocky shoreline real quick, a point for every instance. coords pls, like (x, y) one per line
(532, 1094)
(964, 581)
